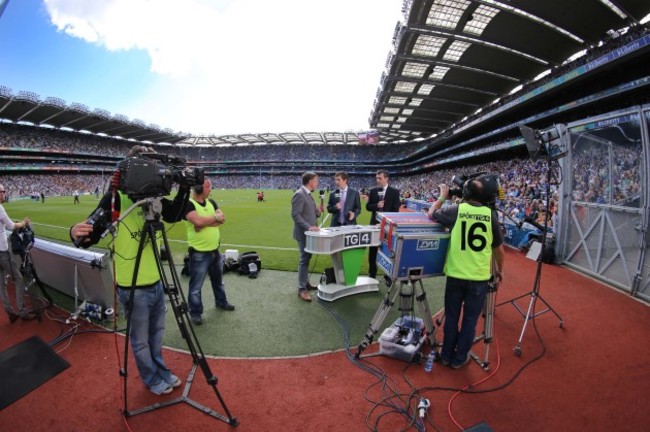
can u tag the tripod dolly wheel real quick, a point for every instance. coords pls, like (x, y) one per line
(517, 352)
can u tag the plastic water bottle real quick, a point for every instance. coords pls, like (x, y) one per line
(428, 365)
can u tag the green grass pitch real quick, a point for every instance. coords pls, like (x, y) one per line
(265, 227)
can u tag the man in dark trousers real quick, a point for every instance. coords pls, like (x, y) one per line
(344, 204)
(383, 198)
(305, 215)
(203, 218)
(475, 255)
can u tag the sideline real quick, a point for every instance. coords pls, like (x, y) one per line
(185, 241)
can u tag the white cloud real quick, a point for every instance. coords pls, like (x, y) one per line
(236, 66)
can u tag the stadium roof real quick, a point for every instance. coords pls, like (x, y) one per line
(450, 60)
(28, 107)
(453, 57)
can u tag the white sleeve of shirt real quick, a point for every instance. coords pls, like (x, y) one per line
(4, 219)
(5, 222)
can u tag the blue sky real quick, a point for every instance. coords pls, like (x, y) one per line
(210, 66)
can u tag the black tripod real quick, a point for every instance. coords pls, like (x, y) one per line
(534, 294)
(408, 293)
(23, 241)
(151, 208)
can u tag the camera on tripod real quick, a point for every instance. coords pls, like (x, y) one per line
(152, 175)
(488, 192)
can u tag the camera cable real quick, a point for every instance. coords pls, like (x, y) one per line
(393, 402)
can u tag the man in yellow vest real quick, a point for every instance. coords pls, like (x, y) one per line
(147, 313)
(202, 220)
(476, 243)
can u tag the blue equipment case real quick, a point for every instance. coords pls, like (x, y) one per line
(411, 245)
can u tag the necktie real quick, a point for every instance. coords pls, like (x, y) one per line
(342, 212)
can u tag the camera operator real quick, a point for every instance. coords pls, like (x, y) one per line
(9, 267)
(202, 220)
(476, 241)
(147, 314)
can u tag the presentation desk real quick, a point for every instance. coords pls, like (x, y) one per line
(347, 246)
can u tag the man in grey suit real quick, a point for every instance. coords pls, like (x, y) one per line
(344, 204)
(305, 214)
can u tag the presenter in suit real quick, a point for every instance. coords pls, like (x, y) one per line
(344, 204)
(305, 213)
(383, 198)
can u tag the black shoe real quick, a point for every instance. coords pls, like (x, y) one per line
(196, 320)
(27, 316)
(12, 317)
(460, 365)
(310, 287)
(227, 307)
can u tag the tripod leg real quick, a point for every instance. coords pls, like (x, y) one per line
(531, 307)
(128, 311)
(488, 326)
(377, 319)
(488, 313)
(181, 313)
(425, 312)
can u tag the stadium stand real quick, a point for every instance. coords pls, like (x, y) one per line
(454, 92)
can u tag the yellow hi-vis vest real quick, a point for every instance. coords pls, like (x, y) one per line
(207, 239)
(470, 245)
(126, 248)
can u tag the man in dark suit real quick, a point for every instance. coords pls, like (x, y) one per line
(344, 204)
(305, 214)
(383, 198)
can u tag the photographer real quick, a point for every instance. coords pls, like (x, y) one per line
(9, 267)
(147, 313)
(202, 220)
(475, 243)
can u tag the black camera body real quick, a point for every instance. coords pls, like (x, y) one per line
(488, 193)
(152, 175)
(459, 181)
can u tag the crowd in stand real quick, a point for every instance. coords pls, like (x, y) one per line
(49, 139)
(20, 186)
(523, 181)
(593, 185)
(595, 180)
(14, 136)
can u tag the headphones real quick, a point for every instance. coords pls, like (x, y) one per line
(471, 190)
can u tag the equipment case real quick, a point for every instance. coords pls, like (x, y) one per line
(411, 245)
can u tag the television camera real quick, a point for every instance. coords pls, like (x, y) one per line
(152, 175)
(489, 192)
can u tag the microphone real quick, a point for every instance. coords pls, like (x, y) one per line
(423, 406)
(92, 220)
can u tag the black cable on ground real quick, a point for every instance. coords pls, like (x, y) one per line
(394, 401)
(406, 400)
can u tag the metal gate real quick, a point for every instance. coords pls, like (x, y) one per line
(604, 199)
